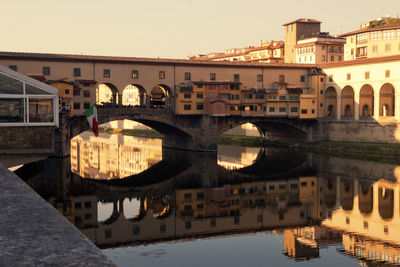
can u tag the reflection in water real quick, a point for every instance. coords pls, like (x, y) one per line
(310, 204)
(236, 157)
(113, 156)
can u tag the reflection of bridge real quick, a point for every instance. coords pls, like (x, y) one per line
(209, 203)
(197, 132)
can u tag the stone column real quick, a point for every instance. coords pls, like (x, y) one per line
(339, 105)
(397, 100)
(376, 88)
(356, 103)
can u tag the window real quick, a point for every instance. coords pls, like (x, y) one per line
(77, 72)
(374, 48)
(281, 78)
(78, 205)
(387, 47)
(86, 93)
(200, 196)
(161, 74)
(236, 77)
(13, 67)
(302, 78)
(323, 58)
(187, 107)
(348, 76)
(86, 105)
(271, 109)
(66, 91)
(339, 58)
(135, 74)
(293, 109)
(367, 75)
(200, 107)
(304, 111)
(218, 106)
(46, 70)
(330, 78)
(365, 224)
(187, 76)
(88, 216)
(188, 224)
(106, 73)
(88, 204)
(259, 77)
(282, 97)
(282, 109)
(387, 73)
(187, 96)
(77, 105)
(212, 76)
(199, 95)
(332, 58)
(374, 36)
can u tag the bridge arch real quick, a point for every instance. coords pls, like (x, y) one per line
(134, 95)
(347, 103)
(107, 93)
(366, 102)
(386, 100)
(280, 129)
(330, 103)
(174, 134)
(161, 96)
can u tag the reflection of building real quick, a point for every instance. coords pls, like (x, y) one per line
(106, 157)
(231, 157)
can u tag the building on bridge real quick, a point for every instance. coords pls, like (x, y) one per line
(28, 113)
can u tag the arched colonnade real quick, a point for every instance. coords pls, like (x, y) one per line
(375, 101)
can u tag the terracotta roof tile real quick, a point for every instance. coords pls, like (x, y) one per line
(138, 60)
(371, 29)
(302, 20)
(360, 61)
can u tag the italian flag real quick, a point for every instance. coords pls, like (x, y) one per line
(91, 116)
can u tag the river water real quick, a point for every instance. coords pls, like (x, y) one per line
(149, 206)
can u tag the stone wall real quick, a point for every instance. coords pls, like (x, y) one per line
(26, 139)
(357, 131)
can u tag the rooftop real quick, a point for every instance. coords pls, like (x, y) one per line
(371, 29)
(137, 60)
(302, 20)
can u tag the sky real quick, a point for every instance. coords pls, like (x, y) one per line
(169, 28)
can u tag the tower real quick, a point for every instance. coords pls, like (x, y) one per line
(296, 30)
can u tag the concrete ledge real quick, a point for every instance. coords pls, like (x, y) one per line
(33, 233)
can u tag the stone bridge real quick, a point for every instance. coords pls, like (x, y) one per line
(188, 132)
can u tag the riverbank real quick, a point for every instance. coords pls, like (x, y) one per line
(382, 152)
(132, 132)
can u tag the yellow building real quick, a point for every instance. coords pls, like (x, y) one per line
(377, 38)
